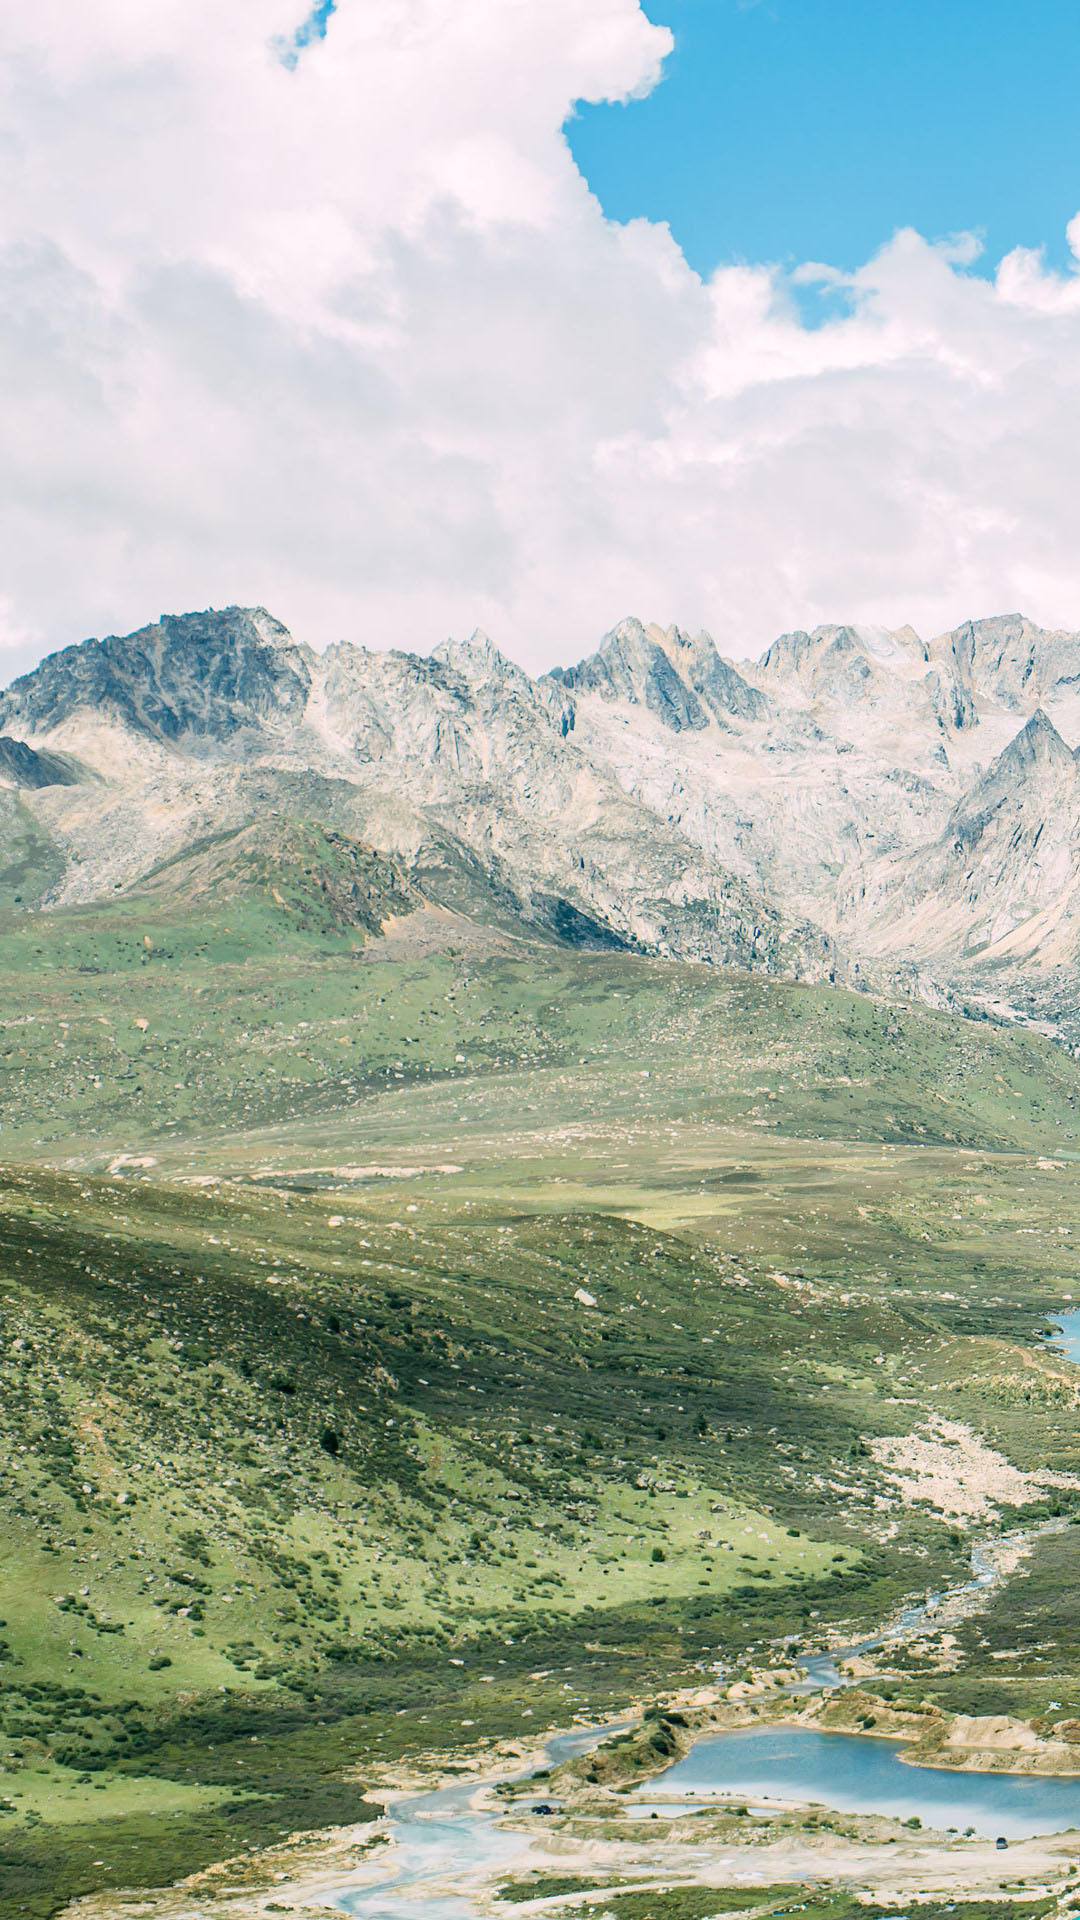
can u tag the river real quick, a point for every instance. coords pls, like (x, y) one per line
(439, 1834)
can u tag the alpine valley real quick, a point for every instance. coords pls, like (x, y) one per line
(390, 1048)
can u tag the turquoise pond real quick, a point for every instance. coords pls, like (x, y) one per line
(855, 1774)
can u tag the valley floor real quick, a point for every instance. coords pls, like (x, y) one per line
(588, 1865)
(472, 1347)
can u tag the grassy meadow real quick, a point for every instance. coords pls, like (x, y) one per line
(401, 1352)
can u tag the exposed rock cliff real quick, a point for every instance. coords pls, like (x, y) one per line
(192, 675)
(857, 798)
(1001, 880)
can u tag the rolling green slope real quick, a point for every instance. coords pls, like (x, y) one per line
(153, 1021)
(397, 1352)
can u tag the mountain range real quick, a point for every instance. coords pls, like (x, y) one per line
(858, 805)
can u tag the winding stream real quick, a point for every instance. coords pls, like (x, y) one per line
(441, 1834)
(821, 1669)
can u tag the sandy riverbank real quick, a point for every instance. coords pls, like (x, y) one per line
(895, 1865)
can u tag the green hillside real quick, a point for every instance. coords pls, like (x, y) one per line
(461, 1344)
(151, 1021)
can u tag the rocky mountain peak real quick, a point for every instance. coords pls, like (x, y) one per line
(716, 682)
(479, 661)
(842, 665)
(799, 656)
(1036, 771)
(1038, 744)
(997, 883)
(196, 675)
(1010, 662)
(632, 666)
(892, 674)
(1034, 778)
(999, 654)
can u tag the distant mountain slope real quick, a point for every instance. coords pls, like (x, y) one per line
(1013, 663)
(1001, 881)
(856, 802)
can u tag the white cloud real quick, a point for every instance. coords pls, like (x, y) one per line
(353, 338)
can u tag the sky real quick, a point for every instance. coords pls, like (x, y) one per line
(813, 129)
(404, 317)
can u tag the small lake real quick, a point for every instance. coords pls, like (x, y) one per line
(1067, 1340)
(855, 1774)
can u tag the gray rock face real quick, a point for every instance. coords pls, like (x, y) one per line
(632, 667)
(715, 681)
(830, 663)
(858, 803)
(20, 766)
(997, 885)
(194, 674)
(1012, 662)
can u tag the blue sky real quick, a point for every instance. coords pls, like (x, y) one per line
(793, 130)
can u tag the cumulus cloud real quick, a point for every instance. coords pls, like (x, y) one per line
(333, 323)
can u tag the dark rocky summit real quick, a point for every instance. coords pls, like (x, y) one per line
(194, 674)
